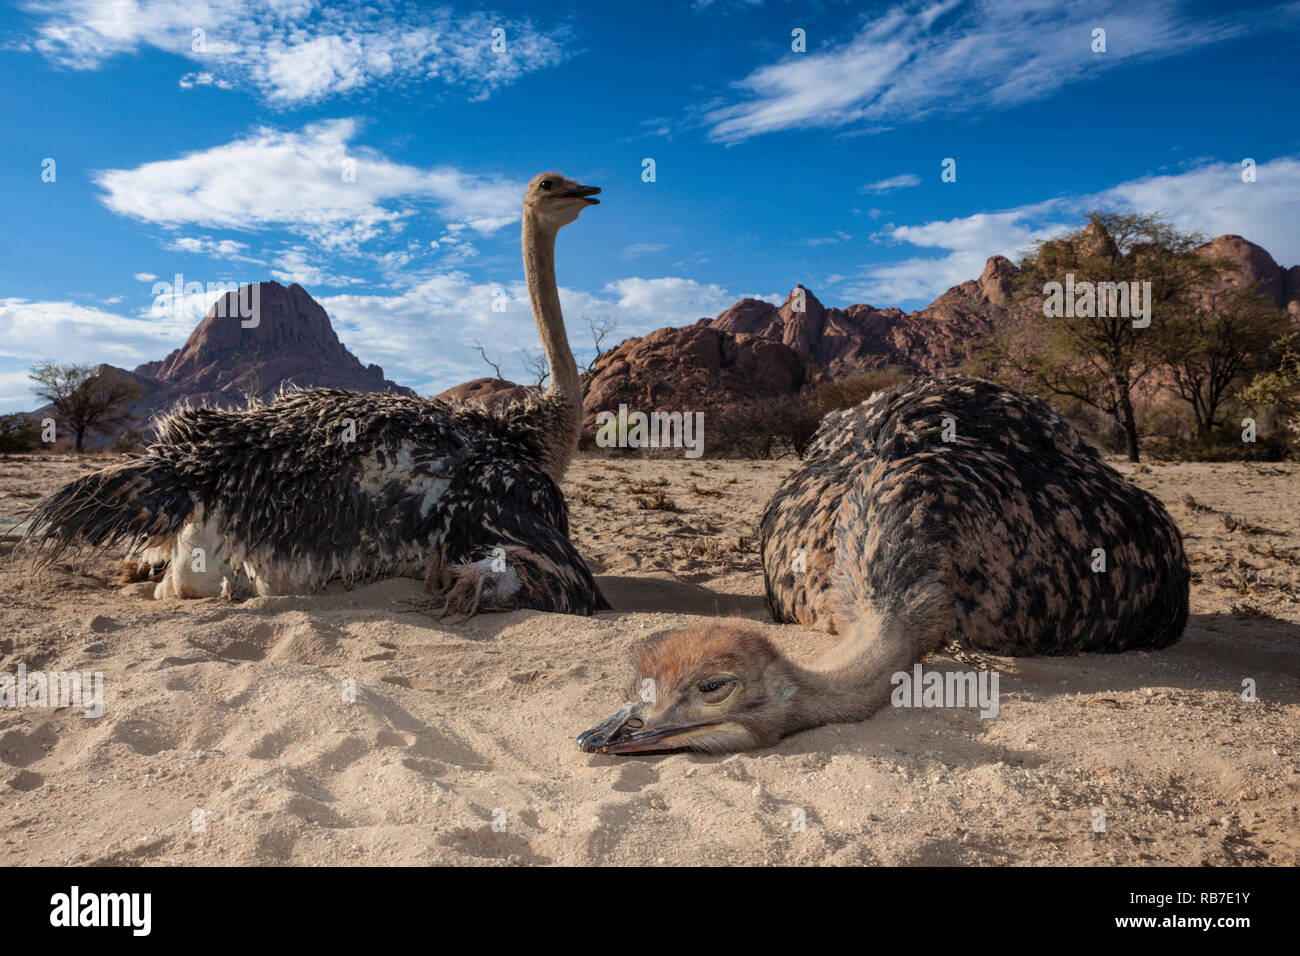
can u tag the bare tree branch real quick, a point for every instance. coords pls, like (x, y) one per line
(602, 327)
(496, 368)
(537, 367)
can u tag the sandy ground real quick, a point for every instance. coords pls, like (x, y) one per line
(226, 738)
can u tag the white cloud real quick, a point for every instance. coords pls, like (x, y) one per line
(294, 51)
(668, 301)
(191, 80)
(919, 59)
(295, 265)
(1210, 199)
(901, 181)
(422, 335)
(66, 332)
(144, 277)
(969, 242)
(215, 248)
(16, 394)
(311, 183)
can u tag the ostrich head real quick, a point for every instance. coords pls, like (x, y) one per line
(712, 687)
(553, 200)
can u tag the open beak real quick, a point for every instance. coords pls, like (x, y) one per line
(585, 193)
(626, 732)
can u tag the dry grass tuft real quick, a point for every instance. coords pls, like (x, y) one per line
(656, 502)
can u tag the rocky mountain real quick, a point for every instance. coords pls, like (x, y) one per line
(936, 339)
(863, 337)
(222, 362)
(693, 368)
(1251, 264)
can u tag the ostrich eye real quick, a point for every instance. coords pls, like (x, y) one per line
(715, 690)
(545, 184)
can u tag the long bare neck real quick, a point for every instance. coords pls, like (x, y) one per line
(565, 390)
(852, 680)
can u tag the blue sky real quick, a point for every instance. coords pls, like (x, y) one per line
(219, 155)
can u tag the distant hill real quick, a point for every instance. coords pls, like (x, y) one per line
(221, 363)
(863, 337)
(936, 339)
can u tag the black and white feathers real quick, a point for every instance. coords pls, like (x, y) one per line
(324, 484)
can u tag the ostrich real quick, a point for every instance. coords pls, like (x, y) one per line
(324, 484)
(943, 508)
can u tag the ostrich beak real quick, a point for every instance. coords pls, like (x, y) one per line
(585, 193)
(599, 736)
(627, 732)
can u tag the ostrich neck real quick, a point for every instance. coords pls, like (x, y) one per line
(565, 388)
(852, 680)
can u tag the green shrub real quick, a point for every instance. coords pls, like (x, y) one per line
(17, 434)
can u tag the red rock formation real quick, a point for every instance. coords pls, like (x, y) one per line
(694, 368)
(863, 337)
(491, 392)
(1251, 264)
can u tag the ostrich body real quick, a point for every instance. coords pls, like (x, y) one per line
(899, 540)
(323, 484)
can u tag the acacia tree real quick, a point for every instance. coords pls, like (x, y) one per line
(1222, 337)
(85, 397)
(1279, 387)
(1097, 355)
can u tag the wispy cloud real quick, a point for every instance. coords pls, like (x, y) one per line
(638, 249)
(292, 52)
(814, 241)
(901, 181)
(920, 59)
(227, 249)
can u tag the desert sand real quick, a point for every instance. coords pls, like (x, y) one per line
(226, 738)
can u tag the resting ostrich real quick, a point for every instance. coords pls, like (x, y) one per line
(324, 484)
(940, 509)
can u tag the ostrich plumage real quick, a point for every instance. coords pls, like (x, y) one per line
(1006, 515)
(422, 487)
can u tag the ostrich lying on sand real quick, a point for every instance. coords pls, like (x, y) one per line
(324, 484)
(940, 509)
